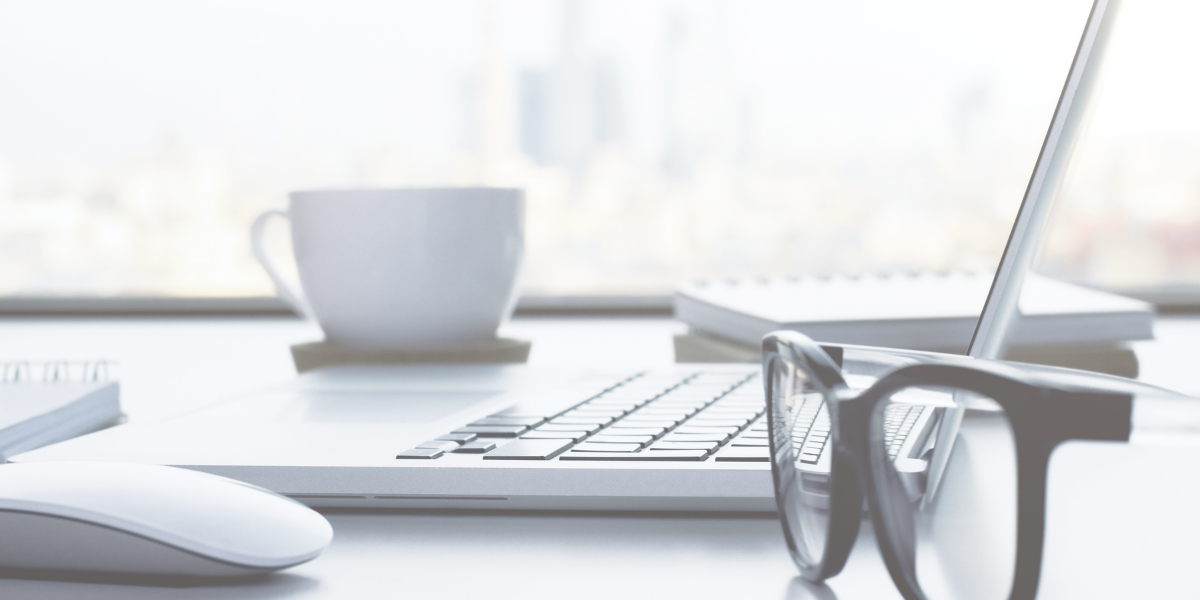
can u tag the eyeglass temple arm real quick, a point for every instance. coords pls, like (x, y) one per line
(824, 365)
(1157, 412)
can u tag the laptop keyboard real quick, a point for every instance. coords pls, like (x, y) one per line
(810, 430)
(646, 418)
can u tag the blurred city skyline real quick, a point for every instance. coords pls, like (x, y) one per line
(657, 141)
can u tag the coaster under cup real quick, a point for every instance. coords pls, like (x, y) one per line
(312, 355)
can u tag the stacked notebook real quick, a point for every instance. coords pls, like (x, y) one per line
(1060, 323)
(46, 403)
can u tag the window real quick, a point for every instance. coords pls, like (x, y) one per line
(1128, 217)
(657, 140)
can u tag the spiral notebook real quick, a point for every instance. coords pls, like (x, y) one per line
(924, 311)
(43, 403)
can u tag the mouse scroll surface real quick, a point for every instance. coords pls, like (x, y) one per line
(129, 518)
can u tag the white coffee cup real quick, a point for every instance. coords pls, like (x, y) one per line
(411, 268)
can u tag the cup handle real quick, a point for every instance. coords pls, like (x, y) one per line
(290, 295)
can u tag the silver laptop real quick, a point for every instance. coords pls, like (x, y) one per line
(517, 437)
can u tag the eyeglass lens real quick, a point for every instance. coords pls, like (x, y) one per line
(802, 461)
(948, 495)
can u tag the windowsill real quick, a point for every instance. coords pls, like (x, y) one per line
(264, 306)
(1174, 299)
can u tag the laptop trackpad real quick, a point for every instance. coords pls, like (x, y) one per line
(329, 406)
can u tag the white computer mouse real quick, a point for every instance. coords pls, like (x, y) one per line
(150, 520)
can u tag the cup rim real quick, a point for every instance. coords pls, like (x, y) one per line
(432, 190)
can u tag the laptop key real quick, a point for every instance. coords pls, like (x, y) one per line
(732, 415)
(606, 401)
(476, 447)
(725, 426)
(574, 436)
(588, 420)
(683, 446)
(615, 409)
(587, 427)
(655, 417)
(461, 438)
(493, 430)
(601, 447)
(696, 437)
(751, 442)
(680, 402)
(594, 411)
(743, 454)
(533, 410)
(505, 420)
(443, 445)
(641, 429)
(627, 424)
(750, 412)
(526, 449)
(687, 428)
(737, 409)
(622, 439)
(421, 453)
(646, 456)
(706, 421)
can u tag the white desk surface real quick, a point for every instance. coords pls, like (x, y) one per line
(1124, 545)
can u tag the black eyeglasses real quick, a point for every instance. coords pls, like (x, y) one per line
(950, 453)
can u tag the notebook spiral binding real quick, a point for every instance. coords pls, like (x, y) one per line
(54, 371)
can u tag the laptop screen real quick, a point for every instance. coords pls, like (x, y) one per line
(1000, 308)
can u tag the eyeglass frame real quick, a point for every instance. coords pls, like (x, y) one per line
(1043, 410)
